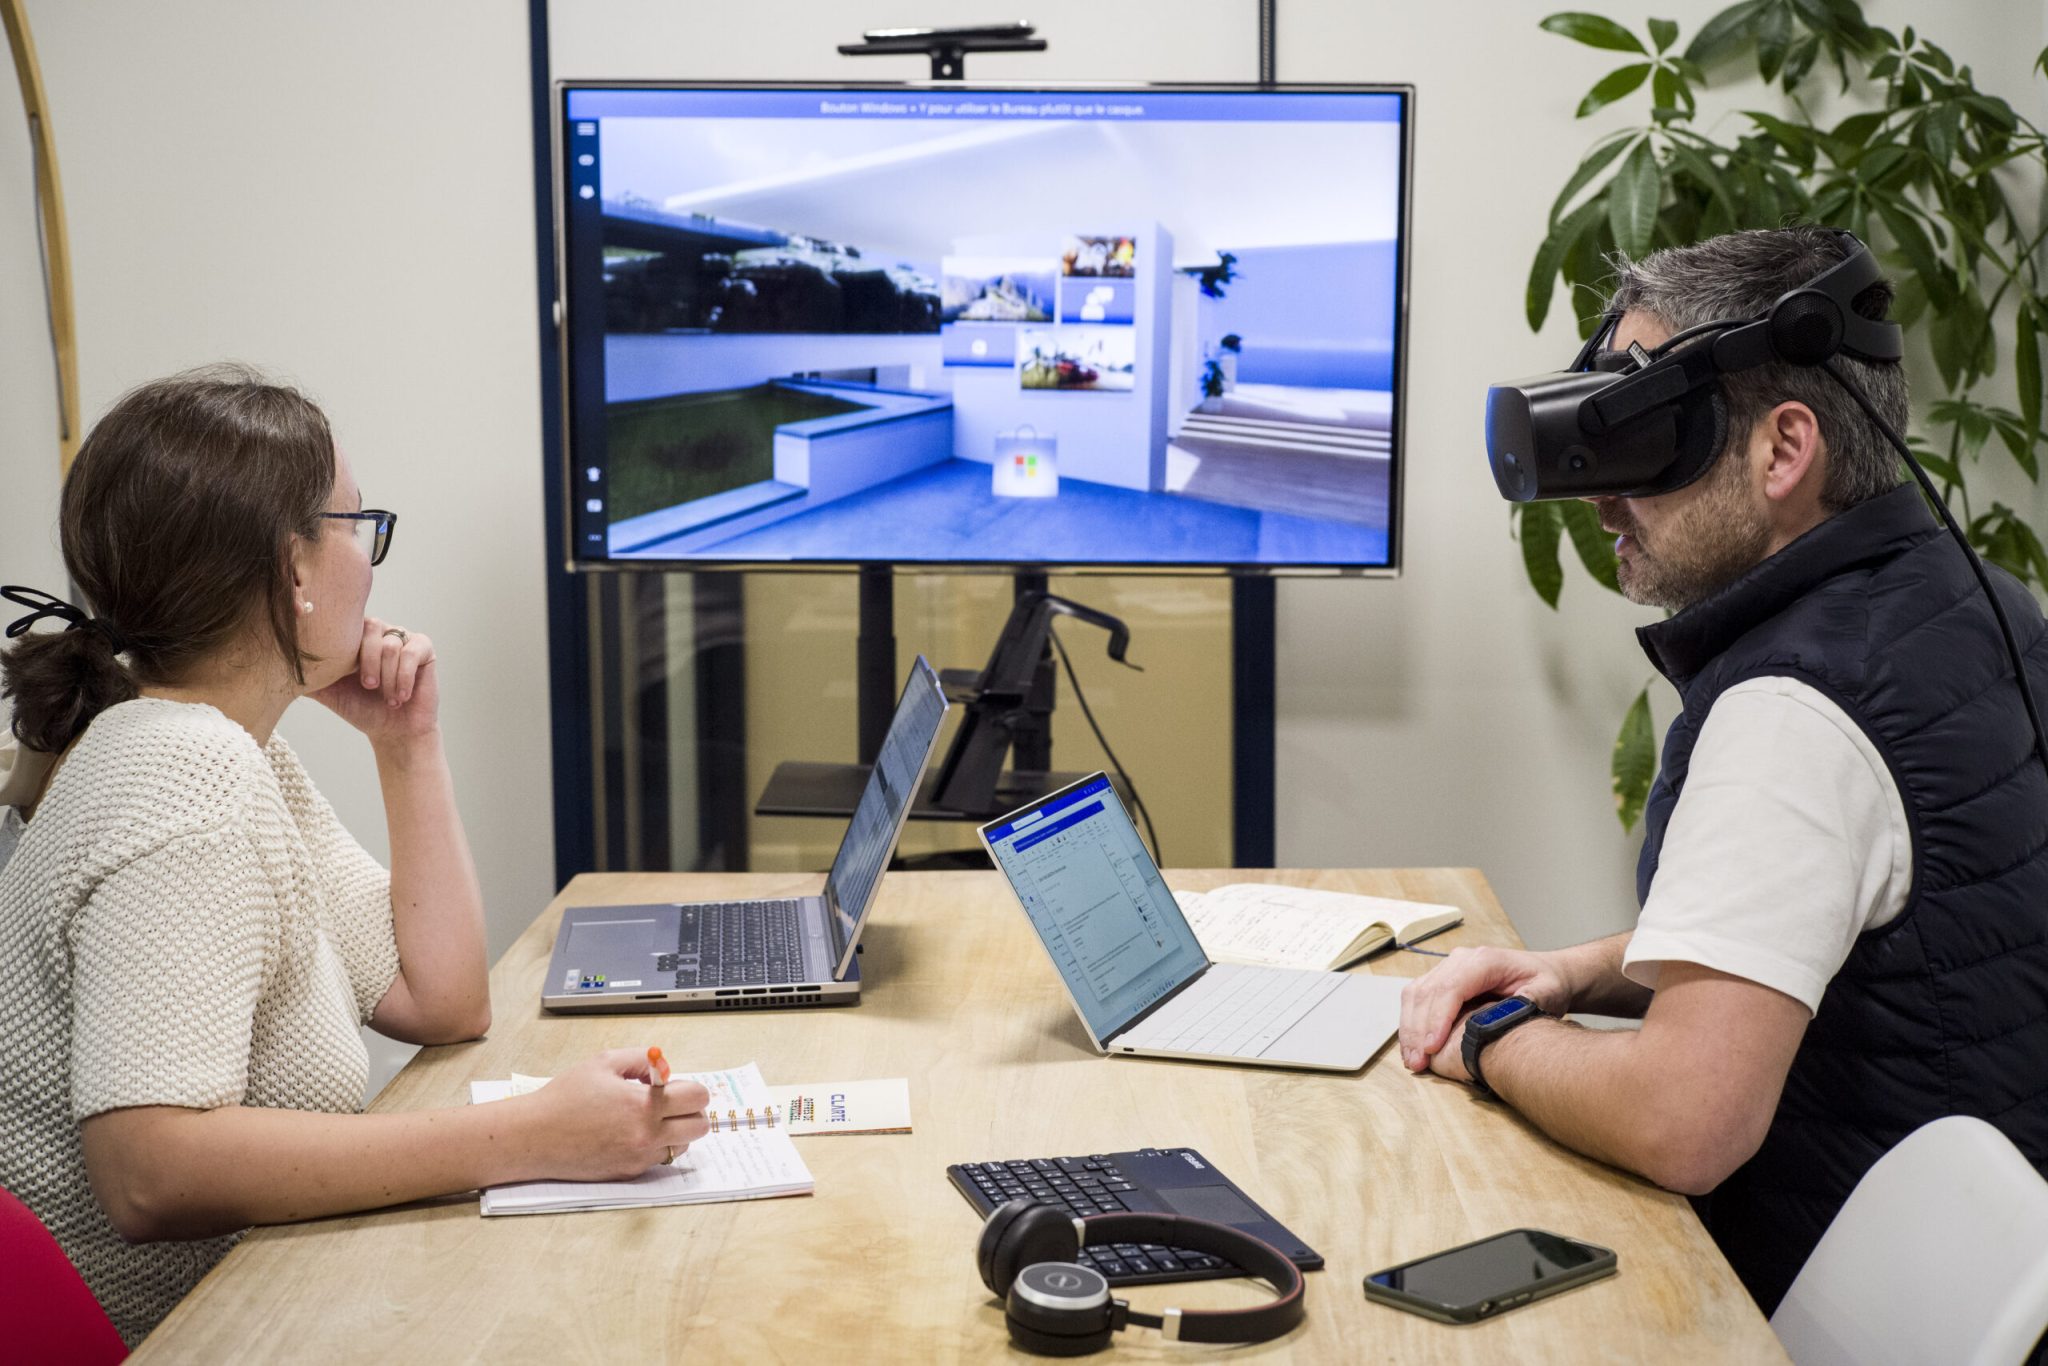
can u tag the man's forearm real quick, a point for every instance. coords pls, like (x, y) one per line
(1597, 984)
(1580, 1086)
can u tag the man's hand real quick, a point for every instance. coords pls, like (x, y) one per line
(1449, 1061)
(1434, 1005)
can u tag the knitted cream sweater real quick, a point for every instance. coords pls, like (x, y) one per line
(184, 923)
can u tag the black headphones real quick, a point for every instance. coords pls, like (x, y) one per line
(1057, 1307)
(1637, 422)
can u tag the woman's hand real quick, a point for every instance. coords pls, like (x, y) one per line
(600, 1121)
(392, 693)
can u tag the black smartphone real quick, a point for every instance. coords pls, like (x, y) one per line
(1480, 1279)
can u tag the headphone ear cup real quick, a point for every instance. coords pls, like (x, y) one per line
(1018, 1234)
(1806, 327)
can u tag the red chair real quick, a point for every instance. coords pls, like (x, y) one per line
(46, 1312)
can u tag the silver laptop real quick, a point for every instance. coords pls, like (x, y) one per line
(797, 951)
(1139, 980)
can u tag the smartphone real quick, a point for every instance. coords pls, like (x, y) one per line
(1480, 1279)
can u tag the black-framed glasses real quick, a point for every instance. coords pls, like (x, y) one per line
(379, 523)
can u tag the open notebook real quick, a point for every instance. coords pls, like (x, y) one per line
(1269, 925)
(744, 1158)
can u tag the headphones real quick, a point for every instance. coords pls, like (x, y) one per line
(1055, 1306)
(1640, 422)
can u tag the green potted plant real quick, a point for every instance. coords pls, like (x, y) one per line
(1926, 171)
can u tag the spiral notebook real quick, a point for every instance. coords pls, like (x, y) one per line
(747, 1156)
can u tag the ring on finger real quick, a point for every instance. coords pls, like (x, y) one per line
(399, 631)
(671, 1155)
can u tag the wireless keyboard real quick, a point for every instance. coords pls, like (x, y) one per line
(1153, 1180)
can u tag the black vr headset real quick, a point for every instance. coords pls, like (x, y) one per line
(1638, 422)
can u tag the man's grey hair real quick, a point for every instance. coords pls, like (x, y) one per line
(1740, 275)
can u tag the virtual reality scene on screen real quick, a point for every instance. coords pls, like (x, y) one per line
(1019, 328)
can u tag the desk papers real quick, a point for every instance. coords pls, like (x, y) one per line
(730, 1163)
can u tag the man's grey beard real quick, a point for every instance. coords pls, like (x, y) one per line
(1719, 537)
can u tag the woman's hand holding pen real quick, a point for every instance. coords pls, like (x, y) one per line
(610, 1117)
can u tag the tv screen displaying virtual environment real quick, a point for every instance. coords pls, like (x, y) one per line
(966, 326)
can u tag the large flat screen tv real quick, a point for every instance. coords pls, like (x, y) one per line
(1137, 327)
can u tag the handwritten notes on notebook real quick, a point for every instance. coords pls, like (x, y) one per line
(1270, 925)
(734, 1162)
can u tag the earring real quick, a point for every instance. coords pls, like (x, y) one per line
(306, 608)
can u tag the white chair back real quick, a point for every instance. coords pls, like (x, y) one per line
(1939, 1255)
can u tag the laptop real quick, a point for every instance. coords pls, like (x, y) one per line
(797, 951)
(1137, 976)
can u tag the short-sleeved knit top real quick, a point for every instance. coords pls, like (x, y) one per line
(183, 923)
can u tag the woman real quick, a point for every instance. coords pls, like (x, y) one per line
(190, 938)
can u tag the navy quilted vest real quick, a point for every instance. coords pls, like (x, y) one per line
(1945, 1010)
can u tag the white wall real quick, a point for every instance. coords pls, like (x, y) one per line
(342, 193)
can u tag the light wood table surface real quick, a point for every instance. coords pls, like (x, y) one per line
(878, 1265)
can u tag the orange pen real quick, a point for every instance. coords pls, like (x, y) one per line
(657, 1068)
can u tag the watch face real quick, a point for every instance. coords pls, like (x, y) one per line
(1498, 1012)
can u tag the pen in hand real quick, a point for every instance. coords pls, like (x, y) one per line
(657, 1076)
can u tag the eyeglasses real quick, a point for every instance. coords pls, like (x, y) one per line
(373, 523)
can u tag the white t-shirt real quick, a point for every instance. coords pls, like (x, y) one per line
(1788, 841)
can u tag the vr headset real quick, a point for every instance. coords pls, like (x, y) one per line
(1639, 422)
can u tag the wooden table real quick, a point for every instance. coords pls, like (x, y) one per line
(1372, 1169)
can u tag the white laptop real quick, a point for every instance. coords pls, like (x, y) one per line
(1139, 980)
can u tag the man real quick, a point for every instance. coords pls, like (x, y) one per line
(1844, 876)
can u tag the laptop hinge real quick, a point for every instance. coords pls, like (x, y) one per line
(1150, 1010)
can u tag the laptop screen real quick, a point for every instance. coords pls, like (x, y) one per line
(1097, 900)
(884, 803)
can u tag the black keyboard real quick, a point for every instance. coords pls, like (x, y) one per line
(735, 943)
(1152, 1180)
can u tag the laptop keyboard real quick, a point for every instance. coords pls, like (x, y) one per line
(737, 942)
(1241, 1017)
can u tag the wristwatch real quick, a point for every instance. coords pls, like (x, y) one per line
(1488, 1024)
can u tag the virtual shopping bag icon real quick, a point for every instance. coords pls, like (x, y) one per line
(1027, 465)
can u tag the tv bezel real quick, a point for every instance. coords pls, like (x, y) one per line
(576, 564)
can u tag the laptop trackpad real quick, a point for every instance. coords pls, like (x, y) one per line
(610, 941)
(1347, 1027)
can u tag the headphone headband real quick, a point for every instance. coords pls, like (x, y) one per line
(1020, 1236)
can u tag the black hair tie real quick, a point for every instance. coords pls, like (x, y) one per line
(41, 604)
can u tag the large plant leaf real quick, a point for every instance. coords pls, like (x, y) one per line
(1621, 81)
(1599, 159)
(1728, 32)
(1663, 32)
(1632, 201)
(2026, 361)
(1595, 547)
(1538, 525)
(1550, 257)
(1594, 30)
(1773, 40)
(1634, 763)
